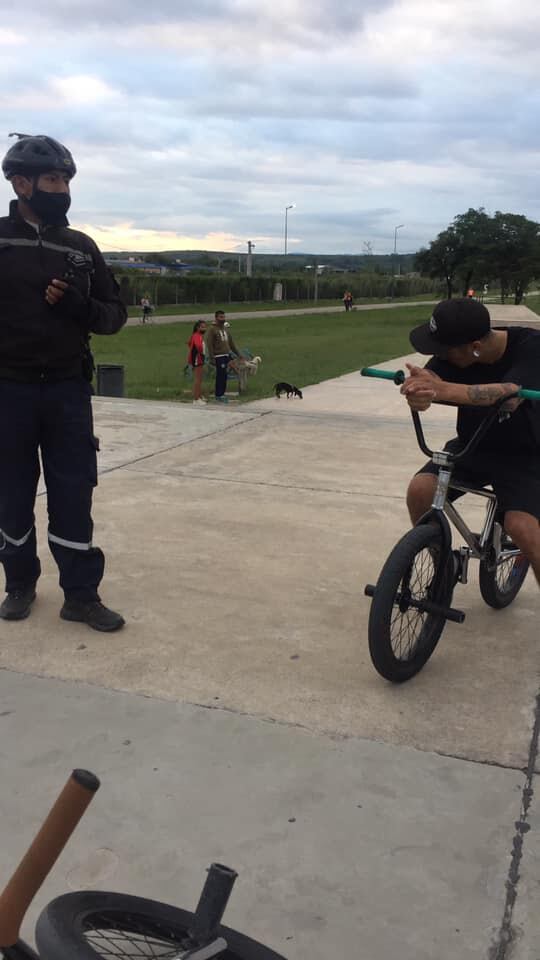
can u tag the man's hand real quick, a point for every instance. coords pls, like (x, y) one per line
(55, 291)
(422, 388)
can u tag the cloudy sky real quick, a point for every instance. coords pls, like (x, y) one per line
(194, 123)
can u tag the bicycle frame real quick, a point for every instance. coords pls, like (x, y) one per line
(489, 540)
(206, 940)
(486, 546)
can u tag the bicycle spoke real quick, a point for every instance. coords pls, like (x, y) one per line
(130, 938)
(406, 626)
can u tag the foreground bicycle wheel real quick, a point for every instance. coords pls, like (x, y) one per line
(92, 925)
(401, 637)
(500, 585)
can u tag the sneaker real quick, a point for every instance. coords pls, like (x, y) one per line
(222, 399)
(92, 612)
(200, 402)
(16, 605)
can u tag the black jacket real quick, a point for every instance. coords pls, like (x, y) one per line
(34, 336)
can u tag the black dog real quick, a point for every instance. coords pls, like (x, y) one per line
(289, 389)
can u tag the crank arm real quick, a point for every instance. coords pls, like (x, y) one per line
(424, 606)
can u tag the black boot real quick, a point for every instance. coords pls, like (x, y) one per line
(92, 612)
(17, 604)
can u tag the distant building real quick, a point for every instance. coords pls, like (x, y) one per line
(159, 269)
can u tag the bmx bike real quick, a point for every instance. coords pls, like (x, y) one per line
(90, 925)
(411, 601)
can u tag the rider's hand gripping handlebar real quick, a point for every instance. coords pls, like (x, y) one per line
(398, 377)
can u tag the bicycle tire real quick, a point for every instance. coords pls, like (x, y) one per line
(500, 585)
(78, 924)
(388, 616)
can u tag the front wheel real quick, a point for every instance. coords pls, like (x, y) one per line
(500, 585)
(402, 637)
(94, 926)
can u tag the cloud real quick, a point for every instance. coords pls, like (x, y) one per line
(198, 122)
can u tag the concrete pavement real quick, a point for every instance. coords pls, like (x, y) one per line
(238, 717)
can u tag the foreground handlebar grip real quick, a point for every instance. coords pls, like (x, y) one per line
(529, 394)
(43, 853)
(397, 376)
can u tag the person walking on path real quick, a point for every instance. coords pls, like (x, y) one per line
(196, 359)
(55, 291)
(347, 300)
(220, 345)
(146, 308)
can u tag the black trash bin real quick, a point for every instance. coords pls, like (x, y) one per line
(110, 380)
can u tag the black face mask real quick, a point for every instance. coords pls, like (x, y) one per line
(51, 208)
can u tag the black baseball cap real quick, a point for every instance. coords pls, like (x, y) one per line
(453, 323)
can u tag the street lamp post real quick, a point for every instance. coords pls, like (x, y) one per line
(290, 207)
(399, 227)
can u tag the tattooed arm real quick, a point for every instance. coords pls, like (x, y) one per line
(478, 394)
(423, 388)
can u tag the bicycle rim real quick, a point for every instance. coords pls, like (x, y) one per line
(409, 627)
(92, 925)
(129, 937)
(402, 637)
(509, 572)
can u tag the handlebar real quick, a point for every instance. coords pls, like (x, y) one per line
(43, 853)
(398, 378)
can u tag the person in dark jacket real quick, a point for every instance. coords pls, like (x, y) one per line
(221, 348)
(55, 290)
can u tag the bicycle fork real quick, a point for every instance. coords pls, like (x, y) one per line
(404, 598)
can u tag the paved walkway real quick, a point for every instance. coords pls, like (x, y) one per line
(289, 312)
(238, 717)
(516, 312)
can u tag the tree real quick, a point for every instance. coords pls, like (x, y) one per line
(441, 259)
(473, 234)
(476, 248)
(515, 253)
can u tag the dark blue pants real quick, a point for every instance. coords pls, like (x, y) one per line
(221, 375)
(55, 419)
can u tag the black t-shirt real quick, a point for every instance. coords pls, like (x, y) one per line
(520, 364)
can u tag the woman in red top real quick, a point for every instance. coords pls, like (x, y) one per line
(196, 359)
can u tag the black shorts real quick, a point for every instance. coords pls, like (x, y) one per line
(515, 479)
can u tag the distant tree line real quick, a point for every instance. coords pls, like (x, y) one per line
(476, 249)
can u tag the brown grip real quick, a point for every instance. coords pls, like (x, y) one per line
(43, 853)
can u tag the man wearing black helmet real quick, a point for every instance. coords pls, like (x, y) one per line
(473, 366)
(55, 290)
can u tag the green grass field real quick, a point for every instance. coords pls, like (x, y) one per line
(301, 350)
(533, 303)
(181, 309)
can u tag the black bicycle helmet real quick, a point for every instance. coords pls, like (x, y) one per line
(37, 155)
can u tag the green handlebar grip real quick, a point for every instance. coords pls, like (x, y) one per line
(529, 394)
(396, 375)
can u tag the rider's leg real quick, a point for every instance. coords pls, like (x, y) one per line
(524, 529)
(420, 495)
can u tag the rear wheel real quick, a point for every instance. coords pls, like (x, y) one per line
(91, 926)
(401, 636)
(500, 585)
